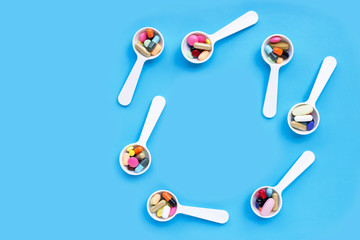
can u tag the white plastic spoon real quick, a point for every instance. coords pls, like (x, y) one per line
(326, 69)
(270, 104)
(157, 106)
(127, 92)
(214, 215)
(305, 160)
(246, 20)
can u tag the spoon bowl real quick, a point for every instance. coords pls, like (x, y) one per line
(257, 211)
(127, 91)
(270, 104)
(326, 69)
(244, 21)
(214, 215)
(147, 155)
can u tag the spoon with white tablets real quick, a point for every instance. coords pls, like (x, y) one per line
(204, 43)
(266, 201)
(304, 118)
(135, 158)
(163, 206)
(148, 43)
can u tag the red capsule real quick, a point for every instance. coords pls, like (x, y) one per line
(262, 193)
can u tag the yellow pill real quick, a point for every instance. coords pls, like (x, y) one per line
(159, 212)
(275, 196)
(125, 159)
(207, 41)
(132, 153)
(129, 148)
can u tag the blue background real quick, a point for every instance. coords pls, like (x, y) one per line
(62, 65)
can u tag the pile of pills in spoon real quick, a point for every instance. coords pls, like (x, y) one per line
(148, 44)
(301, 118)
(267, 201)
(277, 50)
(135, 158)
(164, 204)
(200, 47)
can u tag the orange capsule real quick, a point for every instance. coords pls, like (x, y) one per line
(150, 33)
(138, 150)
(278, 51)
(169, 199)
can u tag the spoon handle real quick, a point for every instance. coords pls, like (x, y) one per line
(157, 106)
(270, 104)
(214, 215)
(305, 160)
(325, 72)
(246, 20)
(127, 92)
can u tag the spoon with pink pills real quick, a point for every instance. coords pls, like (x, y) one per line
(148, 43)
(266, 201)
(135, 158)
(163, 206)
(197, 46)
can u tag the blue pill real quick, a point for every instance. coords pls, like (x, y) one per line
(268, 49)
(156, 39)
(269, 192)
(310, 126)
(143, 163)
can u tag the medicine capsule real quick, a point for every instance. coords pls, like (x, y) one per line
(278, 51)
(125, 159)
(202, 46)
(142, 165)
(150, 33)
(203, 55)
(172, 211)
(165, 212)
(138, 149)
(283, 45)
(142, 37)
(201, 39)
(129, 148)
(260, 202)
(153, 43)
(147, 42)
(155, 199)
(267, 208)
(159, 212)
(275, 196)
(273, 56)
(303, 118)
(279, 60)
(140, 156)
(132, 153)
(195, 53)
(189, 55)
(298, 126)
(269, 192)
(207, 41)
(285, 55)
(158, 206)
(268, 49)
(169, 199)
(156, 50)
(275, 39)
(140, 47)
(302, 110)
(310, 126)
(262, 193)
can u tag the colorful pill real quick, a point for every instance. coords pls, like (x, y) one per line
(203, 55)
(129, 148)
(143, 164)
(140, 47)
(153, 43)
(125, 159)
(132, 153)
(158, 206)
(273, 56)
(275, 196)
(275, 39)
(283, 45)
(156, 50)
(155, 199)
(259, 202)
(285, 55)
(202, 46)
(279, 60)
(150, 33)
(298, 126)
(142, 37)
(133, 162)
(189, 54)
(303, 118)
(147, 42)
(269, 192)
(169, 199)
(207, 41)
(201, 39)
(278, 51)
(268, 49)
(195, 53)
(192, 39)
(140, 156)
(165, 212)
(159, 212)
(262, 193)
(138, 149)
(310, 126)
(172, 211)
(302, 110)
(267, 208)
